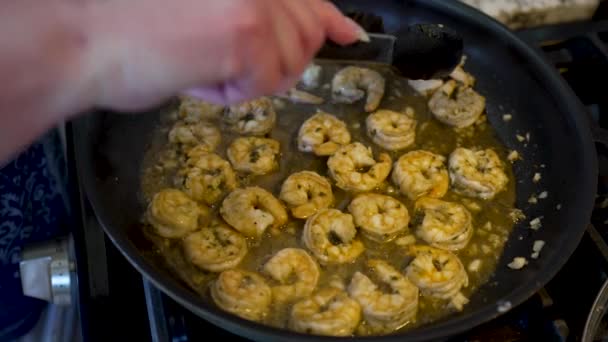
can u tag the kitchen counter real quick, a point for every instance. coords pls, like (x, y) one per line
(518, 14)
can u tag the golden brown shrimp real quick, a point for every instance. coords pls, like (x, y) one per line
(254, 155)
(322, 134)
(477, 173)
(208, 176)
(421, 173)
(306, 192)
(331, 237)
(193, 134)
(329, 312)
(255, 117)
(296, 271)
(380, 217)
(252, 210)
(193, 110)
(173, 214)
(352, 83)
(242, 293)
(457, 105)
(391, 130)
(354, 168)
(442, 224)
(215, 248)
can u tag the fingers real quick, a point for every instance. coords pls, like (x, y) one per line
(338, 27)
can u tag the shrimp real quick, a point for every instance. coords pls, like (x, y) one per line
(173, 214)
(322, 134)
(208, 176)
(388, 310)
(329, 312)
(256, 117)
(354, 168)
(331, 237)
(458, 74)
(348, 83)
(193, 134)
(305, 193)
(391, 130)
(425, 87)
(311, 76)
(215, 248)
(437, 273)
(300, 96)
(193, 110)
(252, 210)
(441, 224)
(477, 173)
(380, 217)
(296, 271)
(254, 155)
(242, 293)
(421, 173)
(457, 105)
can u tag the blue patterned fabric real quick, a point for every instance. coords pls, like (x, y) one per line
(33, 207)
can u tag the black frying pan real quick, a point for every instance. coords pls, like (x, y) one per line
(512, 76)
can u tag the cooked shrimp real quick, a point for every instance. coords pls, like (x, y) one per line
(388, 310)
(442, 224)
(380, 217)
(421, 173)
(437, 272)
(351, 83)
(322, 134)
(173, 214)
(193, 110)
(457, 105)
(208, 176)
(477, 173)
(242, 293)
(462, 76)
(306, 192)
(252, 210)
(300, 96)
(354, 168)
(331, 237)
(328, 312)
(193, 134)
(296, 271)
(311, 76)
(255, 117)
(215, 248)
(254, 155)
(391, 130)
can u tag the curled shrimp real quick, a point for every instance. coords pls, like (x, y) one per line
(193, 134)
(421, 173)
(442, 224)
(296, 271)
(173, 214)
(252, 210)
(255, 117)
(457, 105)
(354, 168)
(380, 217)
(322, 134)
(245, 294)
(331, 237)
(215, 248)
(391, 130)
(208, 176)
(254, 155)
(477, 173)
(351, 84)
(437, 273)
(385, 310)
(329, 312)
(193, 110)
(305, 193)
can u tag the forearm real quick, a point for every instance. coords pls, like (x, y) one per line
(42, 79)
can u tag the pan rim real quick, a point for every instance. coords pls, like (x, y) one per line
(451, 326)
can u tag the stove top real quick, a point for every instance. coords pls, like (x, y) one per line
(114, 297)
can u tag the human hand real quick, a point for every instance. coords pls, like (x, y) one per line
(223, 51)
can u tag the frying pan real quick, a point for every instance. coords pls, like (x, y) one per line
(515, 79)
